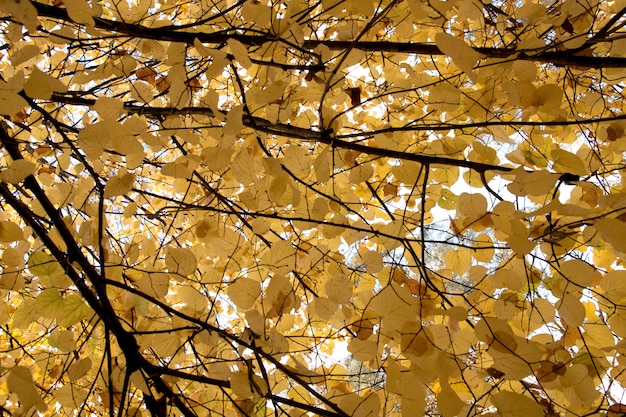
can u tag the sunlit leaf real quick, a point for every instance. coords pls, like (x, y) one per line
(612, 231)
(571, 310)
(240, 52)
(74, 310)
(244, 292)
(309, 208)
(463, 55)
(181, 261)
(79, 11)
(119, 185)
(568, 163)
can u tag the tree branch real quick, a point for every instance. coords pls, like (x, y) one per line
(172, 34)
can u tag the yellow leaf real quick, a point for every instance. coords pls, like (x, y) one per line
(234, 122)
(10, 102)
(372, 260)
(449, 403)
(448, 200)
(244, 168)
(79, 11)
(578, 272)
(363, 350)
(257, 13)
(74, 310)
(614, 285)
(49, 303)
(193, 299)
(281, 257)
(512, 404)
(41, 265)
(458, 260)
(463, 55)
(119, 185)
(412, 406)
(241, 385)
(240, 52)
(155, 284)
(24, 315)
(200, 48)
(12, 256)
(10, 232)
(109, 107)
(244, 292)
(613, 232)
(472, 206)
(79, 369)
(444, 97)
(567, 163)
(23, 54)
(518, 240)
(40, 85)
(20, 382)
(322, 165)
(21, 11)
(17, 171)
(533, 183)
(323, 307)
(72, 397)
(339, 289)
(278, 187)
(176, 170)
(180, 261)
(571, 310)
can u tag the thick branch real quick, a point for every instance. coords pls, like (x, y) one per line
(173, 34)
(312, 135)
(97, 299)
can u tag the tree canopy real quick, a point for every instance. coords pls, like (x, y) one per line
(312, 207)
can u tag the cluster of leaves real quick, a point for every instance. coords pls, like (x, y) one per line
(207, 205)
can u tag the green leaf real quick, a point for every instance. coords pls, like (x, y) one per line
(41, 264)
(49, 303)
(74, 310)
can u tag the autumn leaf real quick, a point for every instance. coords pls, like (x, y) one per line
(41, 85)
(320, 208)
(10, 232)
(463, 55)
(79, 11)
(180, 261)
(512, 404)
(244, 292)
(119, 185)
(18, 171)
(20, 382)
